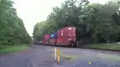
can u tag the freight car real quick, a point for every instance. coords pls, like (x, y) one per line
(66, 36)
(46, 38)
(63, 37)
(71, 36)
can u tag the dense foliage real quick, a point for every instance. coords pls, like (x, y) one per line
(12, 30)
(97, 22)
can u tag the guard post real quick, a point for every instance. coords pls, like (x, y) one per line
(58, 55)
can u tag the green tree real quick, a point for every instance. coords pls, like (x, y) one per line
(12, 29)
(98, 21)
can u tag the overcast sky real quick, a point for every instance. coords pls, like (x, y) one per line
(33, 11)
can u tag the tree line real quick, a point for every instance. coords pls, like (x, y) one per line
(97, 23)
(12, 30)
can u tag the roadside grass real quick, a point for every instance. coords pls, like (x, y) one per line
(110, 57)
(111, 46)
(12, 49)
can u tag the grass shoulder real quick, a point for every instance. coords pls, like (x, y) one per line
(12, 49)
(111, 46)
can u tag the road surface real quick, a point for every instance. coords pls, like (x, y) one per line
(42, 56)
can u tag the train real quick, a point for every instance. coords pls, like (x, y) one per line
(63, 37)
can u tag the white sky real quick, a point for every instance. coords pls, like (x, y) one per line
(33, 11)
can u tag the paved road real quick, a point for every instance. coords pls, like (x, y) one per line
(41, 56)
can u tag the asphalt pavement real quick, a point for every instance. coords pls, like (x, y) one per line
(42, 56)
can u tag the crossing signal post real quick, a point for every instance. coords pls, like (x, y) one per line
(57, 55)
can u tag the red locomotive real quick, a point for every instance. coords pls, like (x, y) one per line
(53, 39)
